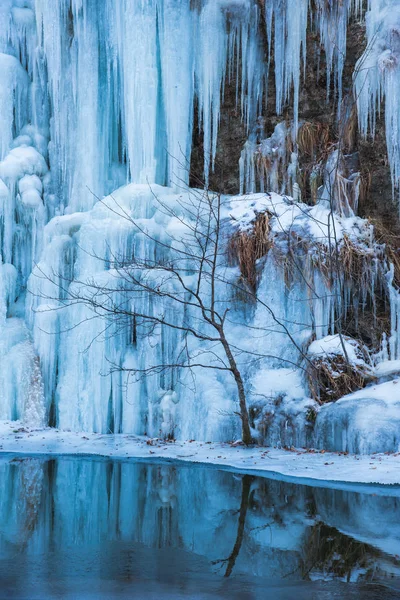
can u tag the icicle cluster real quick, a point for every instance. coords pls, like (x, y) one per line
(377, 77)
(267, 164)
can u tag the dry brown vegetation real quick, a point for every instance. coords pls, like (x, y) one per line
(391, 244)
(314, 144)
(349, 130)
(355, 262)
(330, 551)
(330, 378)
(246, 247)
(313, 140)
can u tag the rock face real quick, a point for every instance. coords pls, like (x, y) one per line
(376, 200)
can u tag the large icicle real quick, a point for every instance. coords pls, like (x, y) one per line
(177, 48)
(13, 100)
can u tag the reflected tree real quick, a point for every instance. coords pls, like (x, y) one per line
(244, 505)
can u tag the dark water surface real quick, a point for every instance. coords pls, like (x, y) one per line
(75, 528)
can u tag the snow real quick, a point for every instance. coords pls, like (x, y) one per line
(323, 469)
(313, 223)
(387, 392)
(387, 368)
(335, 345)
(274, 382)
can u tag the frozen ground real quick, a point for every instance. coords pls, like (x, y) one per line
(332, 469)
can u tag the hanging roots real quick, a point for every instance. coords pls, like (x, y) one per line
(246, 247)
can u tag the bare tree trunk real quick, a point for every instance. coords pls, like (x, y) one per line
(244, 413)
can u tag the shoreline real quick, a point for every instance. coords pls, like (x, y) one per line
(314, 468)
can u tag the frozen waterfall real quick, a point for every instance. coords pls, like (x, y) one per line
(98, 104)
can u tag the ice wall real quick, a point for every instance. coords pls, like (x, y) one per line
(80, 249)
(123, 80)
(81, 279)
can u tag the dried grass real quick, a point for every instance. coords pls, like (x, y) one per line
(365, 186)
(312, 138)
(354, 262)
(391, 245)
(349, 132)
(313, 147)
(246, 247)
(330, 378)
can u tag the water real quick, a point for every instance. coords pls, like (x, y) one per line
(76, 528)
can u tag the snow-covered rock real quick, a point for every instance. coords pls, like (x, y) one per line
(364, 422)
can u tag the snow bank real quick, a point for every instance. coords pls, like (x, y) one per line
(315, 224)
(363, 422)
(334, 345)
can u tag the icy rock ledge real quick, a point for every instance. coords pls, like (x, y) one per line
(364, 422)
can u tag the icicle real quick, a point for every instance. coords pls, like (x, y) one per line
(394, 298)
(177, 47)
(141, 89)
(265, 163)
(332, 19)
(377, 78)
(290, 28)
(210, 75)
(13, 115)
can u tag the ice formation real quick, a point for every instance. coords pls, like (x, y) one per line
(96, 94)
(377, 77)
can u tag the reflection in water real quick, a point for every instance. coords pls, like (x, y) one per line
(101, 529)
(244, 504)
